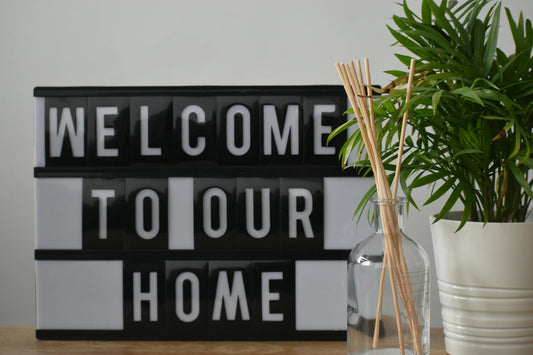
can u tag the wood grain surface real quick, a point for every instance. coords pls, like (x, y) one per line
(21, 340)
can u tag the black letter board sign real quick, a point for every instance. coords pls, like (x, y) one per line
(191, 213)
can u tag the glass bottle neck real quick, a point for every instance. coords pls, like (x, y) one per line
(387, 208)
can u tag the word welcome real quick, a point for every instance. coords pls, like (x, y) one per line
(242, 129)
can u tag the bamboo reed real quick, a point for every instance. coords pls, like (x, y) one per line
(404, 126)
(352, 80)
(380, 300)
(369, 94)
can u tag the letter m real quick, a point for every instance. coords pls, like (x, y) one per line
(230, 298)
(272, 130)
(59, 126)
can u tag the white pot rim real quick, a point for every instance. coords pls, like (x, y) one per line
(483, 255)
(455, 217)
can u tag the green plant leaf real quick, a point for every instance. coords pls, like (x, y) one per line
(490, 94)
(484, 81)
(528, 162)
(439, 13)
(426, 12)
(454, 196)
(435, 99)
(403, 40)
(468, 93)
(521, 180)
(406, 60)
(395, 73)
(364, 201)
(440, 191)
(492, 41)
(467, 151)
(516, 30)
(408, 13)
(427, 35)
(517, 137)
(467, 212)
(404, 174)
(348, 148)
(428, 179)
(341, 129)
(495, 118)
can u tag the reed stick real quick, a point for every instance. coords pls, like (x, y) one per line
(380, 300)
(404, 126)
(352, 80)
(369, 94)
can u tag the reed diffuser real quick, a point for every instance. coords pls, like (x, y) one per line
(400, 320)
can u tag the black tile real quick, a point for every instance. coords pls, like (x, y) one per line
(104, 206)
(258, 214)
(214, 213)
(65, 131)
(151, 129)
(108, 131)
(147, 218)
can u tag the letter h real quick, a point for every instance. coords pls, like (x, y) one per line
(139, 296)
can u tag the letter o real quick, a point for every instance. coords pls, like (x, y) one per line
(220, 195)
(195, 297)
(139, 214)
(230, 130)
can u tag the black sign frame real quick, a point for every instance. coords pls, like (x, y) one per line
(121, 162)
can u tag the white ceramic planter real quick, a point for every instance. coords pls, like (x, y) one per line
(485, 277)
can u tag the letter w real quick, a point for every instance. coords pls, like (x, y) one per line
(57, 131)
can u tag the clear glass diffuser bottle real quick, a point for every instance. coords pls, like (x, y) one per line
(383, 319)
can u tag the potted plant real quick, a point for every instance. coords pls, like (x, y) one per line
(470, 140)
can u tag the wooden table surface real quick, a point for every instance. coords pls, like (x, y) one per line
(21, 340)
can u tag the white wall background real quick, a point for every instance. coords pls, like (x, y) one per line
(164, 42)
